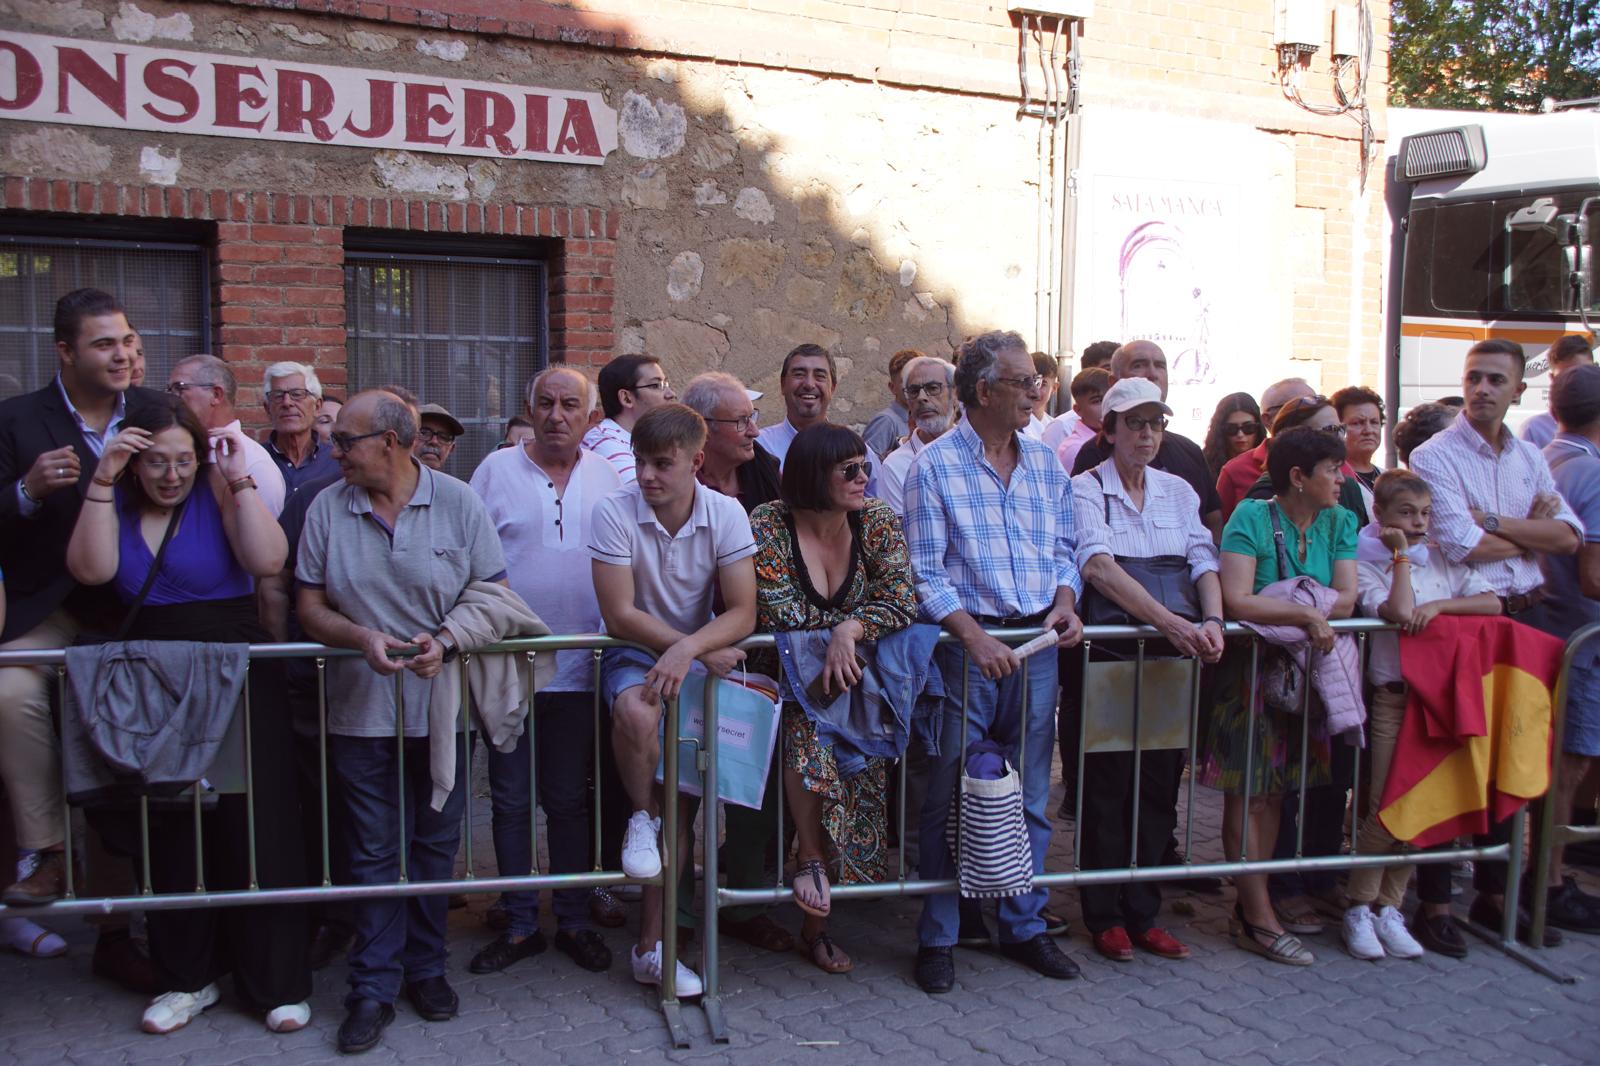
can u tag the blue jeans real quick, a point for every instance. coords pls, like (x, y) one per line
(994, 711)
(564, 746)
(398, 941)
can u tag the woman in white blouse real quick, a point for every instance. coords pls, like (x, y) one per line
(1146, 557)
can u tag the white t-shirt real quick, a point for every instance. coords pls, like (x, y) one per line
(1440, 579)
(613, 444)
(546, 538)
(896, 468)
(674, 576)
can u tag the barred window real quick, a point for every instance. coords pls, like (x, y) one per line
(165, 288)
(467, 332)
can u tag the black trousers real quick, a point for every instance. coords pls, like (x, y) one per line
(308, 789)
(1110, 837)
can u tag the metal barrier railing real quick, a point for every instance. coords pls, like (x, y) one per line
(716, 897)
(1550, 834)
(203, 897)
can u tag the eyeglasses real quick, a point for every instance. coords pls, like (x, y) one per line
(278, 396)
(345, 441)
(162, 467)
(859, 468)
(1027, 384)
(1155, 422)
(1336, 429)
(742, 423)
(932, 390)
(428, 433)
(662, 385)
(1247, 429)
(178, 388)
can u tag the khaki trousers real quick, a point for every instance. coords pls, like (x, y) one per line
(1385, 884)
(30, 751)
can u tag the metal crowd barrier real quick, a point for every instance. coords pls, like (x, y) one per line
(716, 897)
(1550, 834)
(327, 891)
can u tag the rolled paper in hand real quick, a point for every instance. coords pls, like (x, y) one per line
(1043, 642)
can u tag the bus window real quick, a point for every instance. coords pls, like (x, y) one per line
(1536, 272)
(1462, 256)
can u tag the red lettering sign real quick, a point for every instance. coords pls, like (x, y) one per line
(30, 78)
(421, 115)
(77, 65)
(232, 94)
(172, 88)
(294, 110)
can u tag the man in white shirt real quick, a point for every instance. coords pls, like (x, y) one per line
(1566, 353)
(629, 386)
(931, 394)
(208, 388)
(1047, 369)
(665, 551)
(1495, 508)
(541, 494)
(807, 381)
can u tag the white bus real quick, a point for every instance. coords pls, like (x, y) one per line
(1495, 221)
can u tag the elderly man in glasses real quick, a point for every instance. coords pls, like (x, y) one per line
(293, 396)
(930, 394)
(207, 387)
(437, 432)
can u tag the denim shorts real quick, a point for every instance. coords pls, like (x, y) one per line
(1583, 711)
(622, 669)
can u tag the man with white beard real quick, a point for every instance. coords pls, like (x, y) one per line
(930, 397)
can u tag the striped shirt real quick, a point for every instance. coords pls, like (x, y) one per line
(615, 445)
(1168, 525)
(984, 546)
(1464, 473)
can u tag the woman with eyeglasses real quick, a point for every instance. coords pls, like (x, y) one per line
(1235, 429)
(183, 538)
(1361, 411)
(829, 558)
(1146, 558)
(1318, 413)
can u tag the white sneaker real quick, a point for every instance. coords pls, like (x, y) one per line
(1395, 937)
(1360, 936)
(289, 1018)
(647, 971)
(641, 855)
(174, 1010)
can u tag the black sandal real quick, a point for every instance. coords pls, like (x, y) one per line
(826, 942)
(819, 881)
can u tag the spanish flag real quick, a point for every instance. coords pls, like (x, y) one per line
(1475, 742)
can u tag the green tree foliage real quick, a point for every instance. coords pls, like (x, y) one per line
(1498, 55)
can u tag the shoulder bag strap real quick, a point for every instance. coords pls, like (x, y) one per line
(1104, 496)
(1278, 541)
(155, 568)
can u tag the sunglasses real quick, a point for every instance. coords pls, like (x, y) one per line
(1246, 429)
(858, 468)
(1155, 422)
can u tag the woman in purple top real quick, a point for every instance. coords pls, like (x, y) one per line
(158, 472)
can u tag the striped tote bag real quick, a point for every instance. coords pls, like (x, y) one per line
(989, 837)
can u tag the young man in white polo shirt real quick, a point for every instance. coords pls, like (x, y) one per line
(673, 572)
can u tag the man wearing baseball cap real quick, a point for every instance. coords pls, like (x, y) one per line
(436, 437)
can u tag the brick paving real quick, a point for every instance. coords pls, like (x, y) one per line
(1222, 1005)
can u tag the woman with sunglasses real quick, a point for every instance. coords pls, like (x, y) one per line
(829, 558)
(1146, 558)
(160, 502)
(1318, 413)
(1235, 429)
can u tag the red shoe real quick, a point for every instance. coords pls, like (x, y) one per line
(1158, 941)
(1113, 944)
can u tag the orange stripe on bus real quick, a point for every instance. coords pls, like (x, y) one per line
(1479, 333)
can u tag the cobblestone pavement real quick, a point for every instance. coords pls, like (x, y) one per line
(1222, 1005)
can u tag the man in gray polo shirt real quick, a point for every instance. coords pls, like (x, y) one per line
(383, 558)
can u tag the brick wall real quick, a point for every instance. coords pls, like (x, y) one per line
(277, 266)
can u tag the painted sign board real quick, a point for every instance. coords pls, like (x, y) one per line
(118, 86)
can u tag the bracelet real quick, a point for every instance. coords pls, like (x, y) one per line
(246, 482)
(23, 487)
(97, 499)
(1213, 618)
(1400, 557)
(108, 483)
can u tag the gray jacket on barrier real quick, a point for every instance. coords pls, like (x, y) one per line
(901, 693)
(151, 713)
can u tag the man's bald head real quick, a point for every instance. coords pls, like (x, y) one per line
(1141, 359)
(1280, 393)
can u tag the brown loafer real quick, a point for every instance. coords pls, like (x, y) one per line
(46, 884)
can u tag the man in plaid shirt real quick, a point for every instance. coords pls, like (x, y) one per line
(989, 526)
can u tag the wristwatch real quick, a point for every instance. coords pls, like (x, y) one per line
(451, 652)
(1491, 523)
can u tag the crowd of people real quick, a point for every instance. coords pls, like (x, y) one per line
(679, 524)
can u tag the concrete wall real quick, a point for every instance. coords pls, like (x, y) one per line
(853, 174)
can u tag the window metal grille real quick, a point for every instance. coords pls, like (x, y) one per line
(166, 289)
(465, 332)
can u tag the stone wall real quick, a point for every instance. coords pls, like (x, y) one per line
(853, 174)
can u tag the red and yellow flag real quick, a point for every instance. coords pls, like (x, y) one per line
(1475, 743)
